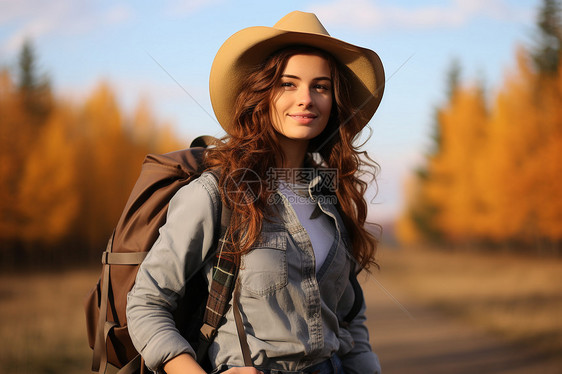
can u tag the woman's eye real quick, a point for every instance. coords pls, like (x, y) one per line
(321, 87)
(287, 84)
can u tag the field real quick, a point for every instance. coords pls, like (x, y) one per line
(43, 324)
(517, 298)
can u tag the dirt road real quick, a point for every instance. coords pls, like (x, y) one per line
(412, 339)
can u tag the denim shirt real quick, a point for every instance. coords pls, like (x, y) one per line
(291, 313)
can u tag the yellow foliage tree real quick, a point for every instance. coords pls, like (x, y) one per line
(408, 226)
(64, 183)
(150, 136)
(111, 158)
(497, 176)
(454, 169)
(15, 141)
(106, 174)
(48, 193)
(514, 137)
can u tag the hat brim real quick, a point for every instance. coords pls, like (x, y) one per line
(249, 47)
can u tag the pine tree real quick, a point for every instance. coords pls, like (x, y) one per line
(34, 88)
(546, 53)
(27, 68)
(453, 78)
(452, 83)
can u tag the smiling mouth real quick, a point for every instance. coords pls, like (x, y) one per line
(303, 119)
(305, 116)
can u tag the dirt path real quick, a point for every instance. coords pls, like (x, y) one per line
(427, 341)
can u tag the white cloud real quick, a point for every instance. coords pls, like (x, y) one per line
(179, 8)
(37, 18)
(118, 14)
(367, 14)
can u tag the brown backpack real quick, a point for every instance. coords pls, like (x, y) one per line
(136, 231)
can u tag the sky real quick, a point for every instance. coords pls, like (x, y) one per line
(162, 51)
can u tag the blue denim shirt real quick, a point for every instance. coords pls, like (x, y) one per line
(291, 313)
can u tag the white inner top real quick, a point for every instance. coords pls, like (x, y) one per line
(320, 229)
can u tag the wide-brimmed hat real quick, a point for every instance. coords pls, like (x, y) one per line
(249, 47)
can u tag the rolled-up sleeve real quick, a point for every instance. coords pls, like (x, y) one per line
(178, 253)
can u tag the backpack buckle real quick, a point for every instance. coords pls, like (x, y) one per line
(105, 257)
(208, 332)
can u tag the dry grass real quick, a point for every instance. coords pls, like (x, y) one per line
(516, 297)
(43, 324)
(43, 328)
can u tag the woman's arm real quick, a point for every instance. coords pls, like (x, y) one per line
(183, 364)
(361, 359)
(178, 253)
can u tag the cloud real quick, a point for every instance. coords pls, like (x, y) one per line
(365, 14)
(181, 8)
(37, 18)
(118, 14)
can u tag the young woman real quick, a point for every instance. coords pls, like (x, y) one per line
(292, 100)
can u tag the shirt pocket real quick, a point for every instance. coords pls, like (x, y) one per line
(263, 270)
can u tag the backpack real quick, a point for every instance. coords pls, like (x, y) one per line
(136, 231)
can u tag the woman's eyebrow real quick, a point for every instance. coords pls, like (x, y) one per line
(315, 79)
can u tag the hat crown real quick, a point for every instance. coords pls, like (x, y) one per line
(301, 22)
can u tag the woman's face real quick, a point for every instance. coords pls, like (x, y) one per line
(302, 104)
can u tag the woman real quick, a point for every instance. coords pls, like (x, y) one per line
(292, 100)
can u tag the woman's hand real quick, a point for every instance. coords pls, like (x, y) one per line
(244, 370)
(185, 364)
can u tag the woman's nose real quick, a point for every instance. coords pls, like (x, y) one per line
(304, 97)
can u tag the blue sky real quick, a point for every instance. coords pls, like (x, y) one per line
(138, 45)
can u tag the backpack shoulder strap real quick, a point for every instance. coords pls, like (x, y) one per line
(358, 300)
(224, 275)
(224, 288)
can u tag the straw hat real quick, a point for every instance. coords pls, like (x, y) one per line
(249, 47)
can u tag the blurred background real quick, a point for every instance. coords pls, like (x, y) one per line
(468, 137)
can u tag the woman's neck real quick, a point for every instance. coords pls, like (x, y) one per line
(294, 152)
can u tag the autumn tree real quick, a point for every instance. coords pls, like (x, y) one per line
(34, 87)
(14, 137)
(66, 172)
(494, 175)
(48, 195)
(110, 159)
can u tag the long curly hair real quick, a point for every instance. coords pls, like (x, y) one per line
(251, 149)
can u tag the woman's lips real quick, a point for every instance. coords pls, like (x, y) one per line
(304, 118)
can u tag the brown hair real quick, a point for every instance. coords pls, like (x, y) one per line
(249, 152)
